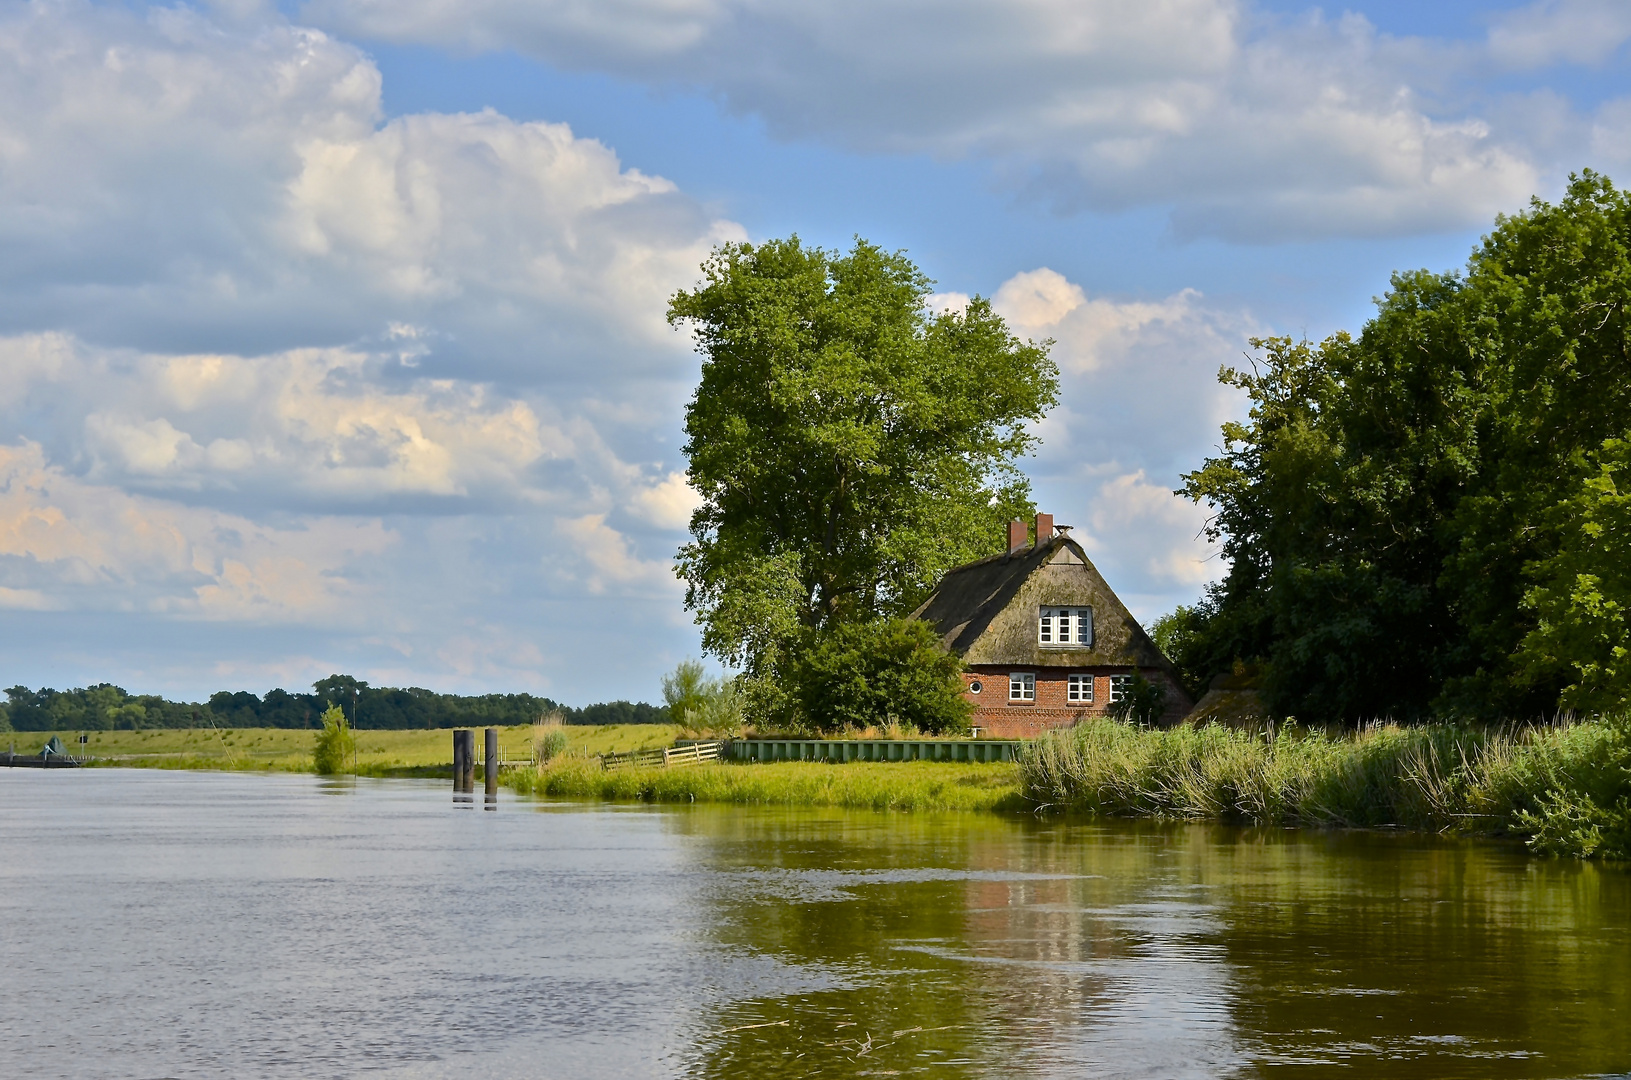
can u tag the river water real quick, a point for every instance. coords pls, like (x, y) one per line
(158, 924)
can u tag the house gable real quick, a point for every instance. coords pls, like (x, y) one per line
(986, 612)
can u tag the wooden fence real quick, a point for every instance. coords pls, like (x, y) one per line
(690, 753)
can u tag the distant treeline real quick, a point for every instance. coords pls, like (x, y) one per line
(105, 707)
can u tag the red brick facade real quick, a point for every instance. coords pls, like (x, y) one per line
(998, 717)
(1003, 615)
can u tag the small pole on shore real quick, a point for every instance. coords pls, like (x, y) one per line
(491, 766)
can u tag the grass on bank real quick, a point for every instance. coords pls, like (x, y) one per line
(417, 752)
(1563, 789)
(875, 785)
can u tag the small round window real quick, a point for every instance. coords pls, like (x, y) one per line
(974, 687)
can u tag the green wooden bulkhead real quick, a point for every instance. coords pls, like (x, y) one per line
(874, 749)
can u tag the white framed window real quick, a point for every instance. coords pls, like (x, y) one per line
(1120, 687)
(1022, 686)
(1064, 627)
(1079, 688)
(975, 687)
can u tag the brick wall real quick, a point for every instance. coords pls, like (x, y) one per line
(1000, 718)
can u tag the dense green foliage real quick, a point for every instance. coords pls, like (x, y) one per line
(849, 446)
(334, 749)
(105, 707)
(1143, 703)
(1427, 519)
(885, 673)
(1563, 790)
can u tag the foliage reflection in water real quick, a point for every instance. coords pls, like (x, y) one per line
(977, 945)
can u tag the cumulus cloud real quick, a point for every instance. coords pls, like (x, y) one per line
(1253, 128)
(360, 394)
(170, 183)
(306, 428)
(611, 558)
(1140, 404)
(669, 503)
(69, 544)
(1138, 377)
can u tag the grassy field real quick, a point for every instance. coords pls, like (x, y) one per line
(902, 785)
(379, 753)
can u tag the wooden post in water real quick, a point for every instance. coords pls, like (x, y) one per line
(464, 760)
(490, 766)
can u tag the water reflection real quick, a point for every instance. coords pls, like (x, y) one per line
(981, 946)
(290, 927)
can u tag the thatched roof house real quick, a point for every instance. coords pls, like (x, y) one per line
(1045, 639)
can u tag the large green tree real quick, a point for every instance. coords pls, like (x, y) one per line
(849, 445)
(1402, 509)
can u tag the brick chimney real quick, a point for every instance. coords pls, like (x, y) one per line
(1044, 529)
(1016, 536)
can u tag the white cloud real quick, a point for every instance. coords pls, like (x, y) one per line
(1560, 31)
(25, 600)
(669, 503)
(359, 394)
(1145, 527)
(1251, 127)
(170, 183)
(609, 559)
(299, 428)
(1611, 134)
(69, 544)
(1139, 405)
(1139, 382)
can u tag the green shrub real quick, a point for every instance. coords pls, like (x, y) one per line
(548, 739)
(890, 672)
(1142, 704)
(703, 706)
(335, 747)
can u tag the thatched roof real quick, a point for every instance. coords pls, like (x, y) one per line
(986, 611)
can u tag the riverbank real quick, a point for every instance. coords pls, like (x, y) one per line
(899, 785)
(1563, 790)
(418, 752)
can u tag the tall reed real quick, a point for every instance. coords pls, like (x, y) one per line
(548, 737)
(1564, 789)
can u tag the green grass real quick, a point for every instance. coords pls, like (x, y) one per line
(904, 785)
(1563, 790)
(379, 753)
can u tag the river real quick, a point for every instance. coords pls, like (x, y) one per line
(201, 925)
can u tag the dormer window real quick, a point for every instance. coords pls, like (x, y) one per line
(1065, 627)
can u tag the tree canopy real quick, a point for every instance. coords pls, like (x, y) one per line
(1431, 517)
(105, 707)
(849, 446)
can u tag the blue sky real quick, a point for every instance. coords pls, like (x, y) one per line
(331, 332)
